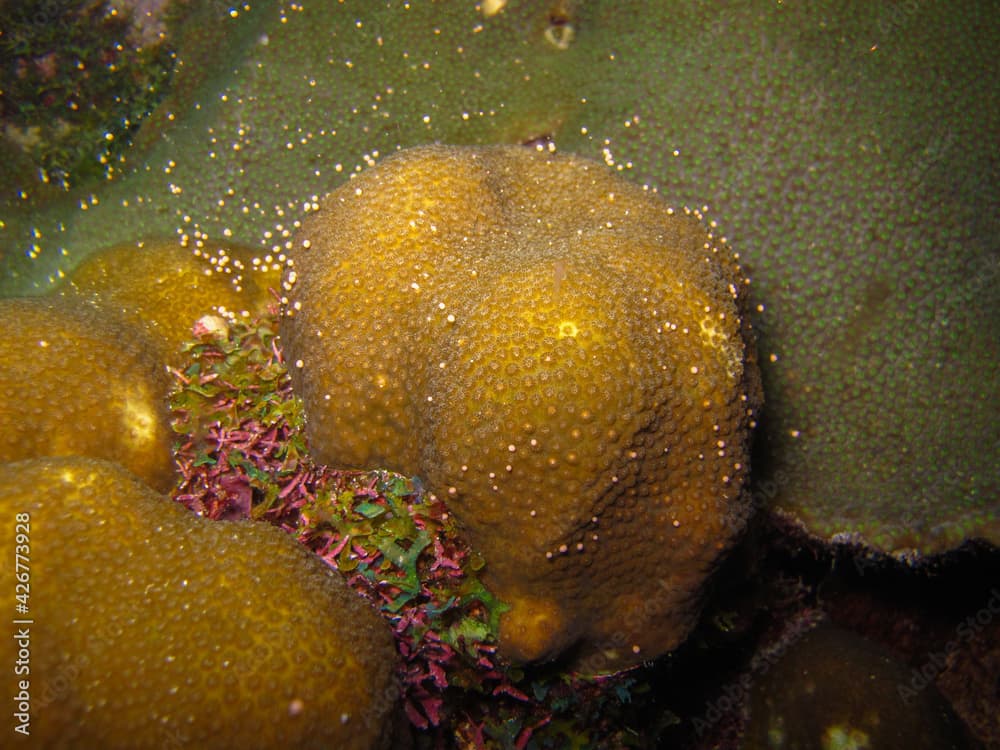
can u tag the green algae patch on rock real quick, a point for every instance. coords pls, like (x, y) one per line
(864, 198)
(834, 690)
(163, 288)
(78, 79)
(562, 357)
(154, 627)
(75, 383)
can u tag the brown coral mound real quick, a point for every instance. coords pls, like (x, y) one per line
(74, 382)
(562, 357)
(162, 288)
(152, 627)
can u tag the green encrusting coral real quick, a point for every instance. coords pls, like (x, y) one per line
(242, 453)
(846, 148)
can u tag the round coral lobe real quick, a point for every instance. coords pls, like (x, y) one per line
(74, 382)
(562, 356)
(153, 627)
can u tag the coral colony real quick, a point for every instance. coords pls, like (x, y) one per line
(561, 356)
(242, 454)
(856, 184)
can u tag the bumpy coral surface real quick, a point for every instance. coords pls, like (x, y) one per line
(561, 356)
(75, 383)
(154, 628)
(162, 288)
(834, 140)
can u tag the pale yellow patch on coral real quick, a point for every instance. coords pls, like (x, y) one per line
(532, 628)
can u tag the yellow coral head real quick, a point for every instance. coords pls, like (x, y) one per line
(561, 356)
